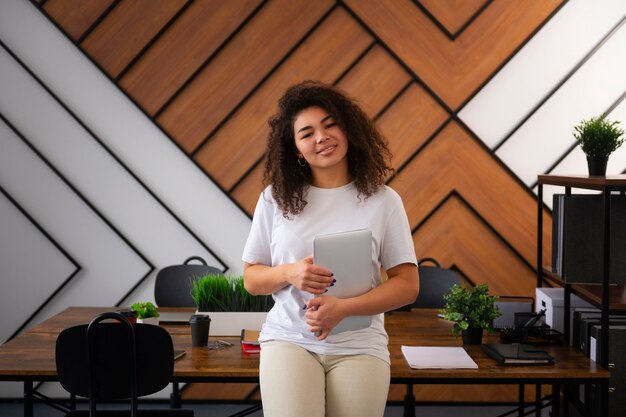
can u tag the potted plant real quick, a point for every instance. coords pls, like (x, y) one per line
(146, 313)
(598, 137)
(230, 306)
(471, 311)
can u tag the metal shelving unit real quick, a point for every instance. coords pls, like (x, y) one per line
(608, 298)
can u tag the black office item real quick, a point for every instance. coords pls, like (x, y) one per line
(101, 361)
(557, 233)
(587, 321)
(509, 306)
(582, 238)
(617, 365)
(517, 354)
(435, 281)
(172, 289)
(173, 283)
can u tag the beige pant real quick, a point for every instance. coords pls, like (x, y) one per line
(298, 383)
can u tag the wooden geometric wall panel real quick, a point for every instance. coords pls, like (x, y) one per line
(410, 121)
(209, 73)
(456, 235)
(453, 15)
(453, 69)
(239, 67)
(183, 49)
(127, 30)
(76, 17)
(241, 140)
(455, 161)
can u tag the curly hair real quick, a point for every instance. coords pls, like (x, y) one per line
(368, 154)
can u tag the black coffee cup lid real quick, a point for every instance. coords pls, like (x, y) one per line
(127, 312)
(200, 317)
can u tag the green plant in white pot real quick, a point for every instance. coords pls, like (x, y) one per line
(146, 313)
(598, 138)
(472, 311)
(229, 305)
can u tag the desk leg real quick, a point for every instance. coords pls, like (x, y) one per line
(604, 398)
(520, 400)
(409, 402)
(28, 399)
(556, 400)
(175, 396)
(538, 400)
(566, 401)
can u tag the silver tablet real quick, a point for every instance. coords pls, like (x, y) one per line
(349, 256)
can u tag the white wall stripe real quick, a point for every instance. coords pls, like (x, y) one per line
(543, 62)
(126, 130)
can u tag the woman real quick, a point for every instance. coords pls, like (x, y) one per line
(325, 170)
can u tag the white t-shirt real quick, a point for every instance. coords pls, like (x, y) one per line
(275, 240)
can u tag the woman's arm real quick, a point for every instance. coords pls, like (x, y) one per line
(263, 280)
(401, 288)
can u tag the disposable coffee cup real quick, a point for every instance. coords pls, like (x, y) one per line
(199, 324)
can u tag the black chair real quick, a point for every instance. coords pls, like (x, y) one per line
(116, 361)
(172, 285)
(435, 281)
(172, 289)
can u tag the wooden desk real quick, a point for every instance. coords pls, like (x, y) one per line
(30, 356)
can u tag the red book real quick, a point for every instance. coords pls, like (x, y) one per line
(250, 341)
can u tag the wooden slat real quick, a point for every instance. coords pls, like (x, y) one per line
(454, 161)
(453, 14)
(188, 43)
(373, 82)
(454, 235)
(76, 16)
(453, 69)
(248, 191)
(238, 68)
(126, 30)
(412, 119)
(242, 140)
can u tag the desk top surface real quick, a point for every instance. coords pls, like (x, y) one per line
(31, 354)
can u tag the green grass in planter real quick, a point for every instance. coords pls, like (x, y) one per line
(226, 293)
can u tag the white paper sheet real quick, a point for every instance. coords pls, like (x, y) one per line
(435, 357)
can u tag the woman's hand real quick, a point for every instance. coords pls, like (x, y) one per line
(323, 314)
(306, 276)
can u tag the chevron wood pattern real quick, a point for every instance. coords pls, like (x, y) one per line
(190, 41)
(453, 69)
(209, 72)
(126, 30)
(453, 15)
(76, 17)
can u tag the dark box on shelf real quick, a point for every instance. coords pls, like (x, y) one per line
(577, 238)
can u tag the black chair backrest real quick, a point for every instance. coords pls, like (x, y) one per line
(435, 281)
(110, 348)
(172, 285)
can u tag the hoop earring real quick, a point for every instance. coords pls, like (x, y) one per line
(301, 161)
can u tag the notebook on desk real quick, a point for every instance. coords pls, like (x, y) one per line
(175, 317)
(349, 256)
(517, 354)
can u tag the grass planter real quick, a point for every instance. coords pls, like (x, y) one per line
(229, 305)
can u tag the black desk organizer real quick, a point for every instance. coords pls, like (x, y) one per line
(530, 329)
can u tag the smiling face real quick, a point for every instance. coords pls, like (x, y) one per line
(323, 144)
